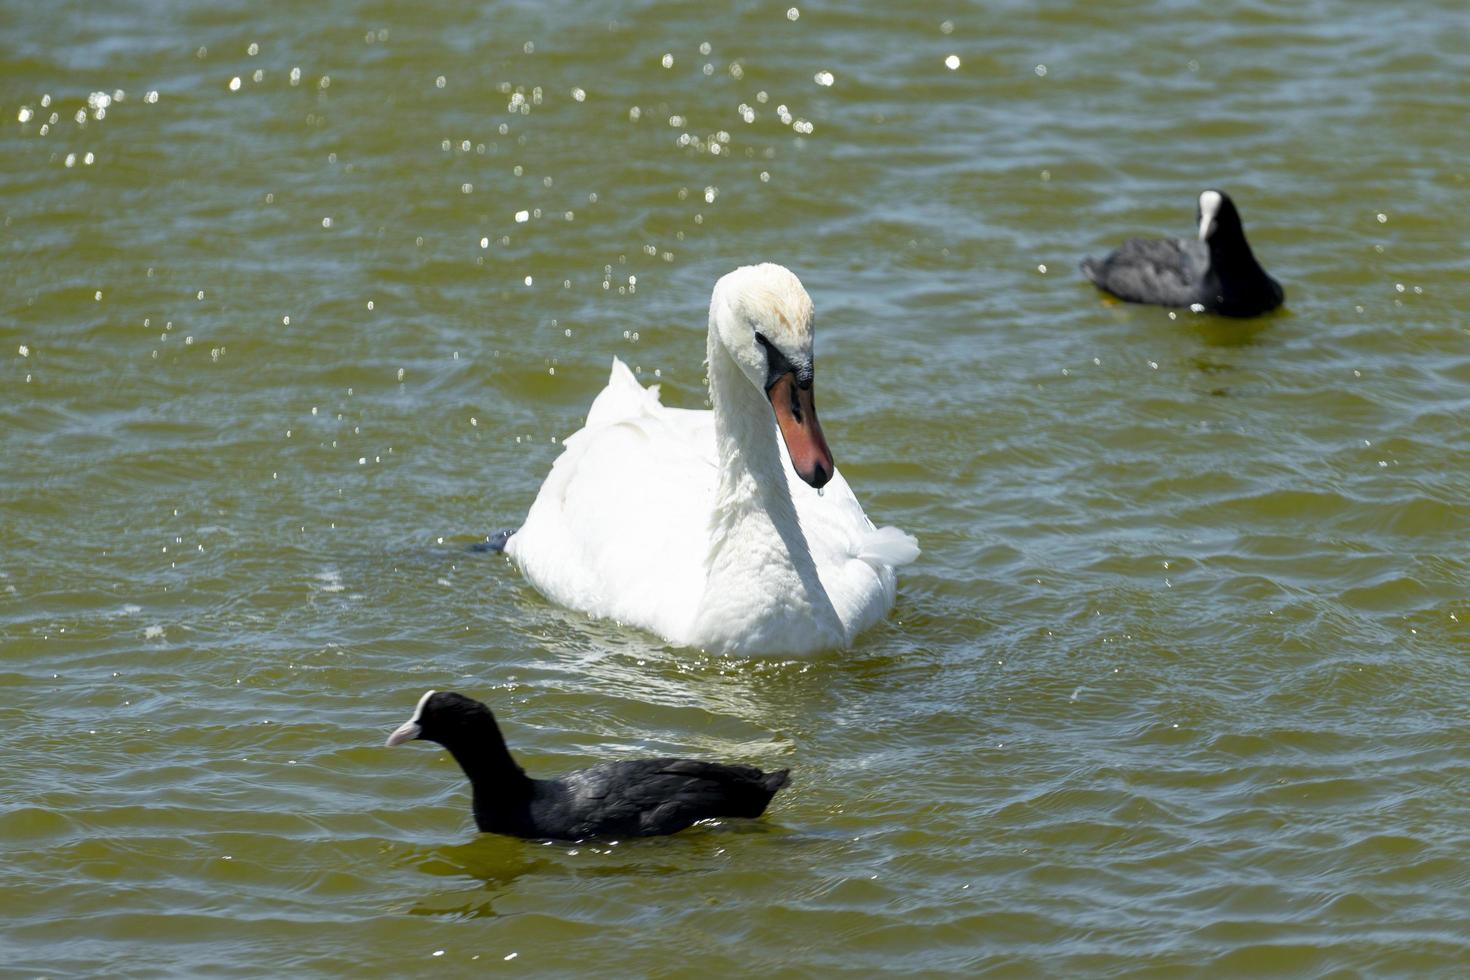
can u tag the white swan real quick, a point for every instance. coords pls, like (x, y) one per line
(695, 524)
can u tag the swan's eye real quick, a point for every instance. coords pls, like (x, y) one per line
(778, 364)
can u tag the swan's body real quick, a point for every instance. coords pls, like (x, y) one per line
(697, 525)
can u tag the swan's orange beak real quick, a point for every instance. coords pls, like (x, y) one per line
(796, 416)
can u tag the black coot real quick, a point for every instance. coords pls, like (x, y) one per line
(1215, 272)
(638, 798)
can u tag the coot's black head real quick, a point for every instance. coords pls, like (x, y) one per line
(447, 718)
(1218, 219)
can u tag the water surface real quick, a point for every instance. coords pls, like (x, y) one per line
(296, 301)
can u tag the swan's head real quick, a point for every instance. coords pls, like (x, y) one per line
(763, 318)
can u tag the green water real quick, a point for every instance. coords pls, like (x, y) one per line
(1178, 686)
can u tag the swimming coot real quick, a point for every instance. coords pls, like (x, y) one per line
(638, 798)
(1215, 273)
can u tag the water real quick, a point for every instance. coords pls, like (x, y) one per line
(1178, 685)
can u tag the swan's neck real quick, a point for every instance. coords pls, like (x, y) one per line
(761, 591)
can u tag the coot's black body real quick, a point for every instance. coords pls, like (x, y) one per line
(1216, 272)
(637, 798)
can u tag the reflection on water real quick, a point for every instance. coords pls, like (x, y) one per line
(1217, 332)
(496, 865)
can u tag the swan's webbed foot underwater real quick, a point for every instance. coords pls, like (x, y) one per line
(496, 541)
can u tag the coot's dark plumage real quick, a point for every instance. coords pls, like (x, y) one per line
(639, 798)
(1215, 273)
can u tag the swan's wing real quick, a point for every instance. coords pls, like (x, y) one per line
(619, 527)
(855, 560)
(623, 398)
(838, 530)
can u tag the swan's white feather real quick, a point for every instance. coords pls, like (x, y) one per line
(888, 546)
(610, 529)
(643, 522)
(620, 528)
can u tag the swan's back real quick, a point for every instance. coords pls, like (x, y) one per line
(617, 529)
